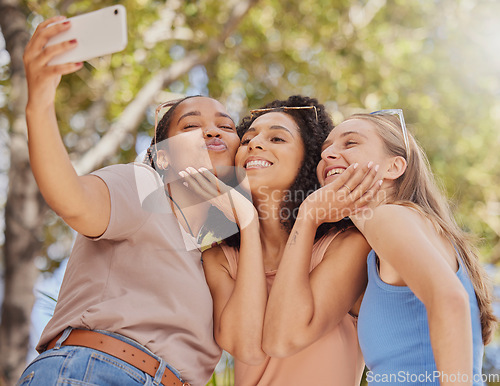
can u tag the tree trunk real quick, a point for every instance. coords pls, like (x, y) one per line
(23, 213)
(25, 207)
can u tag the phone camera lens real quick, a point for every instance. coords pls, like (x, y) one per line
(116, 12)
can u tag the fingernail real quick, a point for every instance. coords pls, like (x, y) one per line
(380, 182)
(191, 170)
(203, 170)
(66, 22)
(185, 184)
(376, 168)
(183, 174)
(73, 41)
(355, 165)
(370, 164)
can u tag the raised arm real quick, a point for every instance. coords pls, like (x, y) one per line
(83, 202)
(304, 305)
(403, 240)
(239, 303)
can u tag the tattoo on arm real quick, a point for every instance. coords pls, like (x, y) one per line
(293, 238)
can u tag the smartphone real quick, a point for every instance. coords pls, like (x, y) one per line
(98, 33)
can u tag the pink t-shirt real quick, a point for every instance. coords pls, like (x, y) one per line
(139, 279)
(333, 360)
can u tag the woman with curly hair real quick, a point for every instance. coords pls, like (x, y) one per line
(280, 148)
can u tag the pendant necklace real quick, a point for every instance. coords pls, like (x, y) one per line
(169, 195)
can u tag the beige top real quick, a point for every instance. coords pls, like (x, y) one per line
(333, 360)
(139, 279)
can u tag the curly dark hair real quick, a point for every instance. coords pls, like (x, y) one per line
(313, 133)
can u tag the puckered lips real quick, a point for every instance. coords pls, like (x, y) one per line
(333, 170)
(215, 144)
(256, 163)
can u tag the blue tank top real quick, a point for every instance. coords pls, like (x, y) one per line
(394, 333)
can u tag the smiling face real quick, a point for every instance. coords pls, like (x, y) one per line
(271, 152)
(201, 134)
(353, 141)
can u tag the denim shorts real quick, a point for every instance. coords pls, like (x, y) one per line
(83, 366)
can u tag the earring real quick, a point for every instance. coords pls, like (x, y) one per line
(163, 164)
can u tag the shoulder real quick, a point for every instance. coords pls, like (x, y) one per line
(215, 258)
(349, 236)
(134, 179)
(394, 216)
(214, 253)
(220, 254)
(130, 169)
(390, 210)
(400, 230)
(350, 242)
(116, 168)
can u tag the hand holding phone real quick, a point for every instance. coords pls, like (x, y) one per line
(97, 33)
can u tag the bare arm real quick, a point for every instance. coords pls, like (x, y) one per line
(239, 304)
(83, 202)
(303, 306)
(398, 236)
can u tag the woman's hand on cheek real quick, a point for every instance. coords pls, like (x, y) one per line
(349, 193)
(233, 204)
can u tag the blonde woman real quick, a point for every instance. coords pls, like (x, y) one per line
(426, 311)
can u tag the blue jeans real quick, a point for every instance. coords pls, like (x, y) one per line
(75, 365)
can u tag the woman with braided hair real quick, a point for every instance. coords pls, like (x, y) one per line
(134, 307)
(280, 148)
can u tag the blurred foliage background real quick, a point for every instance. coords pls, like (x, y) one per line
(438, 60)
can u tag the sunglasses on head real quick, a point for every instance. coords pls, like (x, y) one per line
(256, 112)
(399, 113)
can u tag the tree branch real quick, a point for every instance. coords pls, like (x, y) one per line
(361, 16)
(134, 112)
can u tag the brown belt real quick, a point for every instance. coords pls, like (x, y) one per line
(121, 350)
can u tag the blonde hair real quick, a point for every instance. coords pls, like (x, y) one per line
(417, 188)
